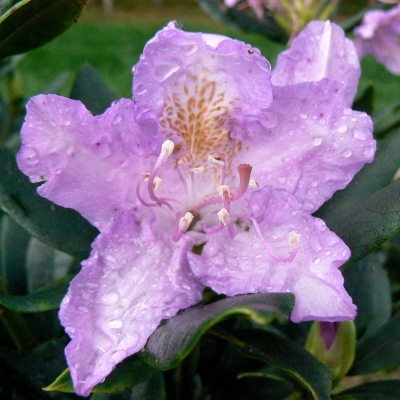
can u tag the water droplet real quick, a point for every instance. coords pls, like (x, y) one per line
(368, 152)
(342, 129)
(118, 355)
(347, 111)
(115, 324)
(250, 50)
(303, 116)
(83, 309)
(327, 252)
(332, 239)
(31, 156)
(361, 132)
(117, 119)
(307, 205)
(282, 180)
(66, 122)
(316, 261)
(70, 330)
(322, 121)
(163, 72)
(258, 256)
(347, 153)
(110, 298)
(314, 183)
(110, 258)
(317, 141)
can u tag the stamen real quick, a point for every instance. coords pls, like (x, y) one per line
(156, 183)
(181, 225)
(198, 170)
(215, 160)
(253, 184)
(225, 194)
(166, 150)
(225, 218)
(244, 179)
(215, 229)
(143, 178)
(293, 238)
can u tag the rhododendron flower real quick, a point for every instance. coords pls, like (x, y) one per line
(378, 35)
(209, 155)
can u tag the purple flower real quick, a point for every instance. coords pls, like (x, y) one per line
(212, 155)
(378, 35)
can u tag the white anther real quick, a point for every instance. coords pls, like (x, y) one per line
(166, 150)
(215, 160)
(185, 222)
(253, 184)
(224, 192)
(224, 216)
(198, 170)
(156, 183)
(145, 177)
(293, 238)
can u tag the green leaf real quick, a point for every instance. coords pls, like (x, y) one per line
(61, 228)
(381, 390)
(91, 90)
(387, 119)
(130, 372)
(287, 356)
(367, 283)
(365, 101)
(173, 340)
(381, 351)
(371, 178)
(14, 241)
(368, 224)
(47, 298)
(32, 23)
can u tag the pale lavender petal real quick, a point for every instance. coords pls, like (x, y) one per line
(321, 50)
(89, 163)
(186, 80)
(133, 279)
(242, 265)
(317, 145)
(378, 35)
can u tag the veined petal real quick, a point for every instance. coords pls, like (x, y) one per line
(79, 155)
(317, 145)
(321, 50)
(204, 90)
(133, 279)
(242, 265)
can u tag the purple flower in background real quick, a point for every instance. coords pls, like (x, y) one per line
(378, 35)
(211, 154)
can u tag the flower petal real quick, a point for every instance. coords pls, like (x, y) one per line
(321, 50)
(133, 279)
(378, 35)
(186, 79)
(242, 265)
(317, 146)
(79, 155)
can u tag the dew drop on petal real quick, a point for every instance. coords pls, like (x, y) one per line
(307, 205)
(110, 298)
(117, 119)
(317, 141)
(31, 156)
(115, 324)
(303, 116)
(347, 153)
(327, 252)
(342, 129)
(118, 355)
(67, 122)
(368, 152)
(361, 132)
(316, 261)
(347, 111)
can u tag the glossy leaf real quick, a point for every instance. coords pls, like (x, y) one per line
(176, 337)
(367, 283)
(61, 228)
(368, 224)
(365, 101)
(32, 23)
(287, 356)
(380, 351)
(381, 390)
(13, 242)
(130, 372)
(91, 90)
(370, 179)
(47, 298)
